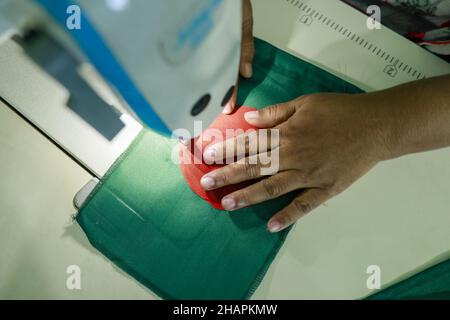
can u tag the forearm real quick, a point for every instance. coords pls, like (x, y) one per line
(416, 116)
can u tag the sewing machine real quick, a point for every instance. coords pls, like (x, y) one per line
(160, 59)
(54, 141)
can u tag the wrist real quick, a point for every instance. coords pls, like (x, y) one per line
(381, 126)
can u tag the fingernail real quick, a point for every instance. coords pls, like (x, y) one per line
(207, 182)
(248, 70)
(227, 109)
(210, 154)
(183, 141)
(274, 226)
(228, 203)
(251, 115)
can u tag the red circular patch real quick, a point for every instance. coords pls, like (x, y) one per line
(192, 164)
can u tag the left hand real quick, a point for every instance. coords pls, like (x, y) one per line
(326, 143)
(247, 51)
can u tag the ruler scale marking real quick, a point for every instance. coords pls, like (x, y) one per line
(339, 19)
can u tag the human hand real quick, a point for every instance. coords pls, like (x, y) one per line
(247, 51)
(326, 142)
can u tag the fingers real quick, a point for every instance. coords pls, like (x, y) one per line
(248, 45)
(229, 107)
(247, 169)
(269, 188)
(301, 206)
(271, 116)
(250, 143)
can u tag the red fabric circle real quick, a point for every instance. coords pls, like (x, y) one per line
(193, 171)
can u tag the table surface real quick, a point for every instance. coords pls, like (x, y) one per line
(396, 217)
(38, 240)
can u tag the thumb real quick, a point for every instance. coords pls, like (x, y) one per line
(270, 116)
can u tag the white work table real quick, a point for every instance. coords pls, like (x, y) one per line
(396, 217)
(38, 239)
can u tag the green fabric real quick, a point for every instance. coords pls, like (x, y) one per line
(146, 220)
(433, 283)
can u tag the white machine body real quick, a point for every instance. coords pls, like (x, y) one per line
(180, 59)
(183, 56)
